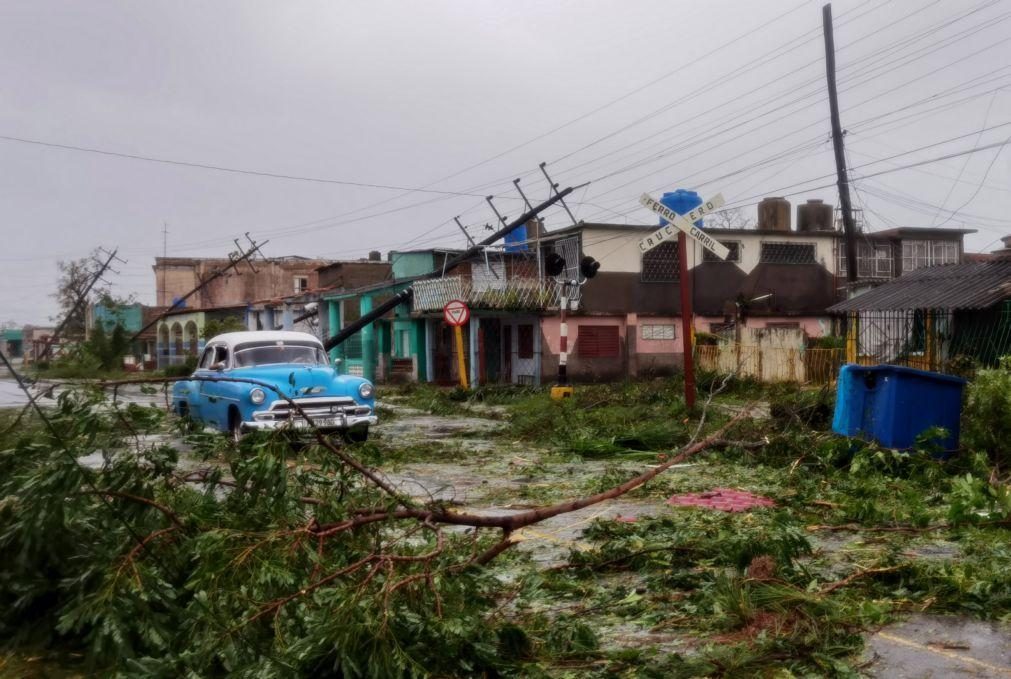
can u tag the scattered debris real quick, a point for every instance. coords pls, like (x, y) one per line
(723, 499)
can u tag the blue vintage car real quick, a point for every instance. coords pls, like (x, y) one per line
(293, 362)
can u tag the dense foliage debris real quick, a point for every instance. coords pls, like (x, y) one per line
(233, 561)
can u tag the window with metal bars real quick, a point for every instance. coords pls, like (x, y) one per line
(735, 252)
(917, 254)
(873, 260)
(787, 253)
(661, 264)
(569, 249)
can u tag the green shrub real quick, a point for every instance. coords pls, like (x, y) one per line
(987, 416)
(183, 369)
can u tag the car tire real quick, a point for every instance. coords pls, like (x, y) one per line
(183, 411)
(235, 430)
(357, 435)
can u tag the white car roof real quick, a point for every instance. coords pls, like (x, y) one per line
(231, 339)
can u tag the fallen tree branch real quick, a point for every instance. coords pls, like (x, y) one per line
(171, 515)
(850, 579)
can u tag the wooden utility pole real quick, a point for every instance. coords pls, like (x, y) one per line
(849, 227)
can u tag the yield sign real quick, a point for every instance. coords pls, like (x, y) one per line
(683, 223)
(456, 313)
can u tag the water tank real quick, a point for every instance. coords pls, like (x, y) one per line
(814, 215)
(681, 201)
(774, 214)
(516, 240)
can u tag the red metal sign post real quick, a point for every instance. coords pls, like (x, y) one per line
(686, 320)
(684, 226)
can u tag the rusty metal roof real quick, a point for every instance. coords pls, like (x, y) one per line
(972, 285)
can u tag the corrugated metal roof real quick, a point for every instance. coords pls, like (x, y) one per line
(972, 285)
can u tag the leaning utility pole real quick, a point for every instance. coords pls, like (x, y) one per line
(407, 293)
(849, 227)
(253, 249)
(81, 299)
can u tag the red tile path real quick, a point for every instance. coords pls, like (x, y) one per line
(723, 499)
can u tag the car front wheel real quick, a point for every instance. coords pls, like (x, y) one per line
(357, 435)
(235, 430)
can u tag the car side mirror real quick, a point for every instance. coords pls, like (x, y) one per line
(218, 367)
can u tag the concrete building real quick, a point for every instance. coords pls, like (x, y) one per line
(626, 321)
(275, 277)
(13, 342)
(181, 332)
(35, 338)
(132, 317)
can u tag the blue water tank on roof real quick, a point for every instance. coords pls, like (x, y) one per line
(681, 201)
(516, 240)
(893, 405)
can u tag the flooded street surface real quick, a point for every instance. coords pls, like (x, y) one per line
(929, 646)
(11, 395)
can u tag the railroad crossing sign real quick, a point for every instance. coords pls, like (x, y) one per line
(683, 223)
(456, 313)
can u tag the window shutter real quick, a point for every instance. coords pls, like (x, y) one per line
(598, 341)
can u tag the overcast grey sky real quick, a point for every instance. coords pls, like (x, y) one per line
(457, 96)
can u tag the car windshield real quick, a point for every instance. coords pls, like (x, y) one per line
(268, 353)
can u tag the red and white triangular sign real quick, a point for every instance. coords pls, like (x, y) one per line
(456, 313)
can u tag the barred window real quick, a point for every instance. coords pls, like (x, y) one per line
(735, 252)
(661, 264)
(787, 253)
(920, 253)
(873, 260)
(658, 331)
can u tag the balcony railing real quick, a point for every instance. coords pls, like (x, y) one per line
(514, 294)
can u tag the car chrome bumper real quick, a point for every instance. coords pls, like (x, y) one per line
(327, 413)
(325, 422)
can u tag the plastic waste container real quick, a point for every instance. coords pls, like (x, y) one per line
(893, 405)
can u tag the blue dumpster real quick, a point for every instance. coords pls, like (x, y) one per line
(893, 405)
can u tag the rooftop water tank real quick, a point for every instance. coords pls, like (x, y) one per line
(814, 215)
(516, 240)
(681, 201)
(774, 214)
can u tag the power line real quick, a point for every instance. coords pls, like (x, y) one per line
(222, 168)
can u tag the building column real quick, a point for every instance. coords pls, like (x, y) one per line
(429, 371)
(473, 369)
(418, 352)
(287, 317)
(333, 325)
(368, 341)
(268, 318)
(171, 347)
(537, 350)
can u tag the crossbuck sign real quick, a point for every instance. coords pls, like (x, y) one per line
(683, 223)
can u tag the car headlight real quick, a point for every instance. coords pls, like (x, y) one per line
(365, 390)
(257, 396)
